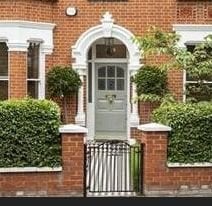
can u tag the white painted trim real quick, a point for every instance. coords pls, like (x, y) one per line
(27, 24)
(107, 28)
(154, 127)
(17, 34)
(191, 33)
(192, 27)
(30, 169)
(72, 128)
(199, 164)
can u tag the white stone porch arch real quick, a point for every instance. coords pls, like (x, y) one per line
(106, 29)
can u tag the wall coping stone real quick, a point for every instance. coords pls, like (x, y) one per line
(72, 128)
(30, 169)
(154, 127)
(197, 164)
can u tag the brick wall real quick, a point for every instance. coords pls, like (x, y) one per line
(195, 12)
(17, 74)
(68, 182)
(145, 111)
(162, 180)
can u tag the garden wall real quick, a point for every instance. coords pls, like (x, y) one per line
(161, 178)
(60, 181)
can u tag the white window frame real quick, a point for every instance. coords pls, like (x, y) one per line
(191, 33)
(192, 82)
(39, 72)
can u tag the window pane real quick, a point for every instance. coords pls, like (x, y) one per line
(3, 90)
(3, 59)
(190, 77)
(120, 72)
(111, 84)
(115, 51)
(101, 84)
(90, 54)
(110, 71)
(199, 92)
(33, 61)
(102, 72)
(32, 89)
(120, 84)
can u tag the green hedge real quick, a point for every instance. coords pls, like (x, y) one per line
(191, 136)
(29, 135)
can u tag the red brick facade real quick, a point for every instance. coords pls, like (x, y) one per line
(68, 182)
(18, 74)
(133, 15)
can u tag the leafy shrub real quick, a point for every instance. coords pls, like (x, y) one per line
(62, 82)
(151, 81)
(29, 133)
(191, 136)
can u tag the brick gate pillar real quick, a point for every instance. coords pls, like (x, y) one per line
(154, 137)
(73, 158)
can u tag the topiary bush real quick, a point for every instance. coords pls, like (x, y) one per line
(29, 133)
(151, 81)
(62, 82)
(190, 140)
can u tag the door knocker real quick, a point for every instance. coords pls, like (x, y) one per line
(110, 98)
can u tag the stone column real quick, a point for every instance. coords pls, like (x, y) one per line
(80, 117)
(134, 117)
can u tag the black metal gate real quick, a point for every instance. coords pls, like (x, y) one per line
(113, 168)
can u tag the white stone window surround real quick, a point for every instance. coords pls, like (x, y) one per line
(17, 34)
(191, 33)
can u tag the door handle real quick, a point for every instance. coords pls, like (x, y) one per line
(110, 98)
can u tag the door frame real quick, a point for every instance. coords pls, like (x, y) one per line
(90, 107)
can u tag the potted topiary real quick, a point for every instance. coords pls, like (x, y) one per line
(62, 82)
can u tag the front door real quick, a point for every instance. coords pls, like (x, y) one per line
(111, 101)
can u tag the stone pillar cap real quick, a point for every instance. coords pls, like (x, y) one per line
(154, 127)
(72, 128)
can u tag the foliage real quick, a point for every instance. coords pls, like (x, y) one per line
(29, 133)
(191, 137)
(63, 81)
(198, 64)
(151, 83)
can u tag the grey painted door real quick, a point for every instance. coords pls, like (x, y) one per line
(111, 100)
